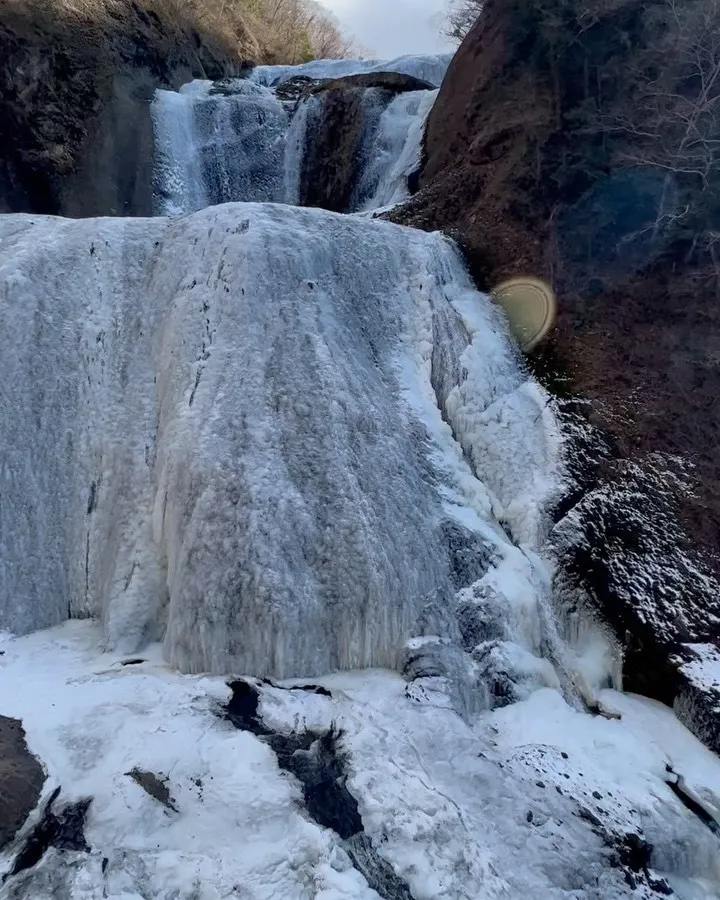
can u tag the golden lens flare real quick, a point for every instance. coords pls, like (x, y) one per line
(530, 306)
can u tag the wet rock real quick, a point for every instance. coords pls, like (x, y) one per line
(21, 779)
(378, 873)
(331, 166)
(63, 829)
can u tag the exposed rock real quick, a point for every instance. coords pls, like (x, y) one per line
(320, 764)
(75, 100)
(294, 88)
(331, 165)
(21, 779)
(532, 163)
(156, 786)
(397, 82)
(63, 830)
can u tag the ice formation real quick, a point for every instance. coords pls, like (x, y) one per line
(429, 68)
(234, 438)
(255, 439)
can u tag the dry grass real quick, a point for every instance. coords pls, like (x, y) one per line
(239, 31)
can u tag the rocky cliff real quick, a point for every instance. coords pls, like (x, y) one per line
(75, 92)
(579, 142)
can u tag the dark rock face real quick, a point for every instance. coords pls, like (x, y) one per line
(21, 779)
(75, 104)
(320, 764)
(331, 165)
(533, 164)
(63, 829)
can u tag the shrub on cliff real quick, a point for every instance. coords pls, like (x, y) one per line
(461, 18)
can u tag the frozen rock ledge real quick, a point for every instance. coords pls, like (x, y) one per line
(224, 431)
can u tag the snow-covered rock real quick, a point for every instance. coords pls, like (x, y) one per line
(431, 68)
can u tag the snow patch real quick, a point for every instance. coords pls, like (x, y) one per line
(449, 808)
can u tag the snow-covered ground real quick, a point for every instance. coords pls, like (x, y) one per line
(533, 800)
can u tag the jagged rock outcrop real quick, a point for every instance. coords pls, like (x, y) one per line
(75, 92)
(555, 147)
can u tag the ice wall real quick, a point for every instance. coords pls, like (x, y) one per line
(431, 68)
(225, 430)
(216, 144)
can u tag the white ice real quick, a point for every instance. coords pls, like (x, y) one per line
(395, 151)
(215, 147)
(223, 430)
(237, 141)
(427, 68)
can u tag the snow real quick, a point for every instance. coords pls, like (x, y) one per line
(456, 810)
(704, 664)
(255, 469)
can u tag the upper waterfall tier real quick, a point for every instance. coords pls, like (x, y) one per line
(237, 430)
(352, 148)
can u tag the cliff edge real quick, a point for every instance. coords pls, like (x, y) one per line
(579, 142)
(75, 91)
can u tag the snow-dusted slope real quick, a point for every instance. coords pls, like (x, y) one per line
(402, 800)
(225, 430)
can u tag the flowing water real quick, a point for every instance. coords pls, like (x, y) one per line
(238, 140)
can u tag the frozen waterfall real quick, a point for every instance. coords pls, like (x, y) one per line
(257, 467)
(240, 140)
(280, 443)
